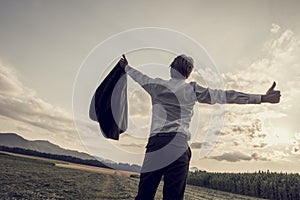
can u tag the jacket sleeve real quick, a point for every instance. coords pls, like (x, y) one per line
(213, 96)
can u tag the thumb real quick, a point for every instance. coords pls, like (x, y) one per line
(272, 87)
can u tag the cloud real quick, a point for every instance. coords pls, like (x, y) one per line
(242, 124)
(296, 144)
(256, 156)
(232, 157)
(33, 115)
(36, 112)
(139, 103)
(9, 83)
(252, 130)
(236, 143)
(239, 156)
(197, 145)
(261, 145)
(295, 149)
(275, 28)
(279, 60)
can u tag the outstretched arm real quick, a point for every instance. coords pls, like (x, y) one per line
(145, 81)
(210, 96)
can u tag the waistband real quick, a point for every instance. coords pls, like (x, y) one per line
(170, 134)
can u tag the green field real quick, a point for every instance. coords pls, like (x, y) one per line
(33, 178)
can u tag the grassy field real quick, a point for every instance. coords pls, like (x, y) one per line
(33, 178)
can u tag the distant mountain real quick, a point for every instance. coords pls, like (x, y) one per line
(14, 140)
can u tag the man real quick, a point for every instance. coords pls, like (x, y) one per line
(167, 152)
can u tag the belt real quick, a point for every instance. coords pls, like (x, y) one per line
(171, 134)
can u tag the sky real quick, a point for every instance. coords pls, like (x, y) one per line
(252, 43)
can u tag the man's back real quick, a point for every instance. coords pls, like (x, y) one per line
(172, 105)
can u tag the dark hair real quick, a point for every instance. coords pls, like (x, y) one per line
(183, 66)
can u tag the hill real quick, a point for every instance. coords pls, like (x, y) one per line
(43, 146)
(12, 142)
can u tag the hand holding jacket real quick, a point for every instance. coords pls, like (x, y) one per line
(123, 62)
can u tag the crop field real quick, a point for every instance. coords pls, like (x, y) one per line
(31, 178)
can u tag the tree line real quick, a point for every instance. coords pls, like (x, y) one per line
(270, 185)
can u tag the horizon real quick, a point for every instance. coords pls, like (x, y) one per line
(191, 168)
(45, 43)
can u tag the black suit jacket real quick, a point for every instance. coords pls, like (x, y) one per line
(109, 104)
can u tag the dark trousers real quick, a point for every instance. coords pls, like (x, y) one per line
(174, 174)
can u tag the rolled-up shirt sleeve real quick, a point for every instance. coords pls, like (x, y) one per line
(213, 96)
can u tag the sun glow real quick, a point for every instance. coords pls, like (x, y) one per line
(277, 136)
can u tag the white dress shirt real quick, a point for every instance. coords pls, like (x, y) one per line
(173, 100)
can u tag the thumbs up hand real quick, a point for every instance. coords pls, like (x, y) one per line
(271, 96)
